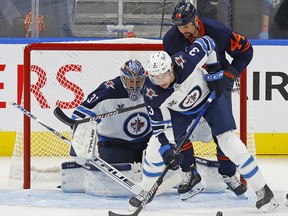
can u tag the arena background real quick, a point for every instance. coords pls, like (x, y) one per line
(67, 20)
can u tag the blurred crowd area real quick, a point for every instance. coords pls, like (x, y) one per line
(262, 19)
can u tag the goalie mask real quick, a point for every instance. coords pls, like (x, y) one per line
(184, 12)
(133, 78)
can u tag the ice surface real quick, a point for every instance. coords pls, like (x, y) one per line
(48, 200)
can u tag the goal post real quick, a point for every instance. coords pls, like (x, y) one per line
(63, 74)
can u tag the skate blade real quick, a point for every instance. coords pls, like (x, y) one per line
(192, 193)
(269, 206)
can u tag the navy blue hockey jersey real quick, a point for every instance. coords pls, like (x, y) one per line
(230, 42)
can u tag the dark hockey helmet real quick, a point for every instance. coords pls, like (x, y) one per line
(184, 12)
(133, 77)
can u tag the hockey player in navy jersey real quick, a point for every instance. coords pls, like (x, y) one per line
(175, 92)
(188, 27)
(121, 138)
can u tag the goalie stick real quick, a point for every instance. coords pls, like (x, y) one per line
(58, 112)
(102, 165)
(150, 195)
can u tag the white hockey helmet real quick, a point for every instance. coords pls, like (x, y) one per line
(158, 63)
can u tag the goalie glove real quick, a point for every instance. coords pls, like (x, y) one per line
(83, 141)
(170, 157)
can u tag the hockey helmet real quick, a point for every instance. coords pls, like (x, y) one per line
(132, 75)
(158, 64)
(184, 12)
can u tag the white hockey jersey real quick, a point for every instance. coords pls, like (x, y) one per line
(110, 96)
(184, 97)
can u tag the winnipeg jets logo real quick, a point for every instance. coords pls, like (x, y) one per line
(137, 125)
(109, 84)
(150, 93)
(179, 60)
(191, 98)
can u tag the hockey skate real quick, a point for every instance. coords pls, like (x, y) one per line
(265, 199)
(191, 184)
(235, 185)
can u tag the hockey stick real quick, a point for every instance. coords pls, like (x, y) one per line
(26, 112)
(96, 161)
(102, 165)
(150, 195)
(68, 121)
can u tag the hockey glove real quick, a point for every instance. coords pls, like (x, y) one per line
(170, 158)
(231, 73)
(218, 80)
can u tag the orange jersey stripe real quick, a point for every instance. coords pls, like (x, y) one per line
(186, 146)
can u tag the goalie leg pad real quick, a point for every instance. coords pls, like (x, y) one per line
(202, 132)
(72, 177)
(210, 177)
(99, 184)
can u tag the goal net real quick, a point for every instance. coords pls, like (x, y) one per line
(63, 74)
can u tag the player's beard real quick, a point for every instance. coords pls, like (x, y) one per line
(190, 36)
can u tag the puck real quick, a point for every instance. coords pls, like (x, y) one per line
(219, 213)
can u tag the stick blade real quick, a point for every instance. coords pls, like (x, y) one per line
(58, 112)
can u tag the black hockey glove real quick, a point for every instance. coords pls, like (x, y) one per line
(218, 80)
(170, 158)
(231, 73)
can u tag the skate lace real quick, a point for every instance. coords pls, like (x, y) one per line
(233, 181)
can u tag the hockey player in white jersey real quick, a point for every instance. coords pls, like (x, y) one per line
(174, 94)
